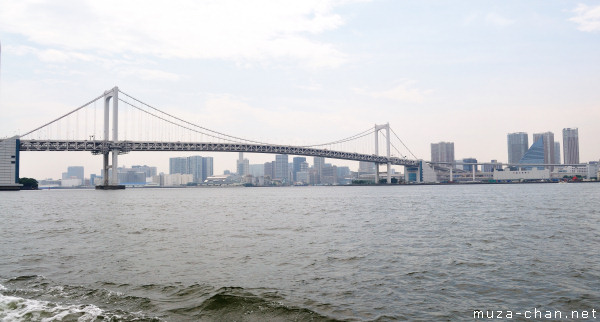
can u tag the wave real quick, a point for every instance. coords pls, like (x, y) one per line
(35, 298)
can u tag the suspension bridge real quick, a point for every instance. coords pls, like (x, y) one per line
(137, 126)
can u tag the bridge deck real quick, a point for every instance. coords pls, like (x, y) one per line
(99, 147)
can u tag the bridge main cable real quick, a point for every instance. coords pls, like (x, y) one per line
(189, 123)
(73, 111)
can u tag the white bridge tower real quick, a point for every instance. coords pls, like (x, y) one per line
(378, 128)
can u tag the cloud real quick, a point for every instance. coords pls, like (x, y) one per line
(236, 30)
(149, 74)
(404, 92)
(588, 18)
(497, 20)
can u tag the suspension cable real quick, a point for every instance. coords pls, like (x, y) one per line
(178, 125)
(73, 111)
(189, 123)
(350, 138)
(404, 144)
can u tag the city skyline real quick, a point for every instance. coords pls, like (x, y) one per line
(311, 72)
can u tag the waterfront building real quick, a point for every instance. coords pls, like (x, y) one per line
(571, 146)
(517, 146)
(178, 165)
(329, 175)
(492, 166)
(535, 154)
(318, 164)
(281, 167)
(442, 152)
(297, 166)
(74, 172)
(556, 152)
(147, 170)
(365, 167)
(242, 165)
(207, 167)
(9, 164)
(467, 166)
(522, 175)
(131, 176)
(199, 167)
(269, 169)
(195, 166)
(257, 170)
(422, 173)
(303, 177)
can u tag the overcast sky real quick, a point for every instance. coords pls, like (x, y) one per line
(300, 72)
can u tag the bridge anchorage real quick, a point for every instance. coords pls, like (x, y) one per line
(136, 126)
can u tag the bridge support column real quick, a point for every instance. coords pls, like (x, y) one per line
(378, 128)
(111, 183)
(451, 174)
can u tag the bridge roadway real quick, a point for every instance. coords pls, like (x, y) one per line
(101, 146)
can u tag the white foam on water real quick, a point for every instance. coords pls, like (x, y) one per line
(19, 309)
(2, 288)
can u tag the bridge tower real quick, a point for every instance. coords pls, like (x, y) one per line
(111, 183)
(378, 128)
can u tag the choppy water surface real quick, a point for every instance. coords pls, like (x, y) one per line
(299, 253)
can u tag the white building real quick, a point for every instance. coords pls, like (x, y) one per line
(533, 174)
(172, 180)
(70, 183)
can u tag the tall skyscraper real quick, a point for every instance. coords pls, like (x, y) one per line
(318, 164)
(442, 152)
(74, 172)
(548, 142)
(196, 167)
(178, 165)
(243, 165)
(517, 146)
(281, 167)
(571, 146)
(200, 167)
(207, 167)
(270, 169)
(556, 152)
(297, 161)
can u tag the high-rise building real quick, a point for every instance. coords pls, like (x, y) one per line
(366, 167)
(257, 170)
(73, 172)
(548, 142)
(242, 165)
(442, 152)
(178, 165)
(199, 167)
(571, 146)
(297, 165)
(196, 168)
(269, 169)
(517, 146)
(281, 167)
(318, 164)
(207, 167)
(147, 170)
(556, 152)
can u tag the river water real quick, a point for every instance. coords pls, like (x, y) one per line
(380, 253)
